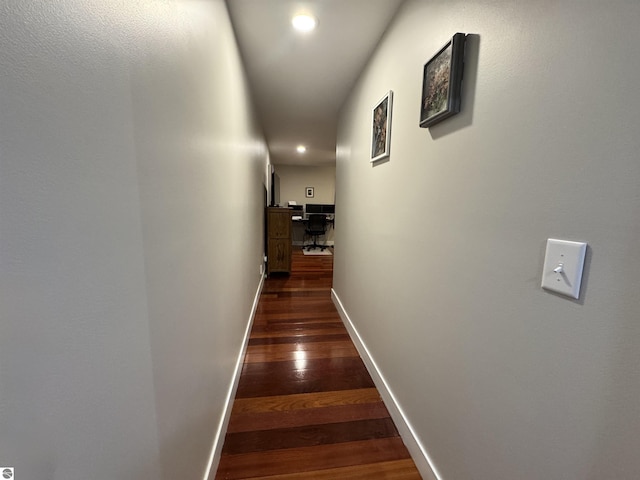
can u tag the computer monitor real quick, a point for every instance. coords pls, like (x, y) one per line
(312, 208)
(331, 209)
(327, 209)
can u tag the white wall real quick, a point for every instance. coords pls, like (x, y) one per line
(499, 378)
(131, 193)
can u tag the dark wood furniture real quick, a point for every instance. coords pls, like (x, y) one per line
(278, 240)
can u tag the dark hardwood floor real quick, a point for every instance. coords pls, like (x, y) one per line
(306, 407)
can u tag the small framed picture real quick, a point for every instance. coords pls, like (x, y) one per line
(308, 192)
(442, 82)
(381, 128)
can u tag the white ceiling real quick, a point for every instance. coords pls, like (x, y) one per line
(300, 81)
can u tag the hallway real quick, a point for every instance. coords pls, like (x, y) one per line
(306, 408)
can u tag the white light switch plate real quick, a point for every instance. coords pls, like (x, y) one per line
(563, 264)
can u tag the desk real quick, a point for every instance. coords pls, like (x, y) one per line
(299, 223)
(305, 218)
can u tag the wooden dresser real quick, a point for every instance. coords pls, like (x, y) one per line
(278, 240)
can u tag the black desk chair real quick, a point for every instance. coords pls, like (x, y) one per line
(316, 226)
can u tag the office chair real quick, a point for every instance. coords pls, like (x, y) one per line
(316, 226)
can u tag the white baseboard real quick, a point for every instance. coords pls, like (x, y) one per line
(218, 442)
(416, 449)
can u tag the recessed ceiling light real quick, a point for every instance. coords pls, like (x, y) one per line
(301, 148)
(303, 23)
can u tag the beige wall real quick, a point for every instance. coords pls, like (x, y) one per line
(295, 179)
(441, 277)
(131, 219)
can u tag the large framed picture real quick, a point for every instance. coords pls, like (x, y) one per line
(442, 82)
(381, 128)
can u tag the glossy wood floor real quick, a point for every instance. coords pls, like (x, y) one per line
(306, 407)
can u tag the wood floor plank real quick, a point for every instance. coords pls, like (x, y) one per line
(321, 304)
(297, 351)
(270, 340)
(287, 384)
(315, 367)
(247, 422)
(309, 328)
(303, 376)
(279, 403)
(302, 293)
(307, 459)
(298, 317)
(300, 345)
(308, 435)
(394, 470)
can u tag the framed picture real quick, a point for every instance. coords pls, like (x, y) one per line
(309, 192)
(442, 82)
(381, 128)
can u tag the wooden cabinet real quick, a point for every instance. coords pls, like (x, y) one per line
(278, 240)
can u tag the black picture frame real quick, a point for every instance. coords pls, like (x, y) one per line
(308, 192)
(381, 127)
(442, 82)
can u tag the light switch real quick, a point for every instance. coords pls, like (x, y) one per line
(563, 264)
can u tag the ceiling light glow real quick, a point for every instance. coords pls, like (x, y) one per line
(301, 149)
(304, 23)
